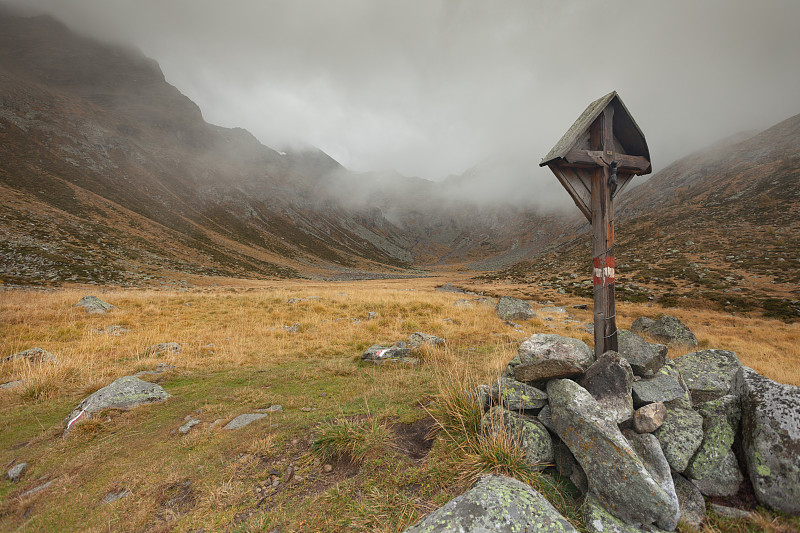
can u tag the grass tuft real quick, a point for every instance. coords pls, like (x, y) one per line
(351, 440)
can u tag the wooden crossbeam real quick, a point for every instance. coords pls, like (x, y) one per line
(594, 158)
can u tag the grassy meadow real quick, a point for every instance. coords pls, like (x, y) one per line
(356, 447)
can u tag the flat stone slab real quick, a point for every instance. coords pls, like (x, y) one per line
(125, 393)
(680, 436)
(244, 420)
(94, 305)
(496, 504)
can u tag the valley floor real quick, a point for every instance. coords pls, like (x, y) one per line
(247, 346)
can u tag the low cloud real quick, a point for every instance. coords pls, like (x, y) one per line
(432, 88)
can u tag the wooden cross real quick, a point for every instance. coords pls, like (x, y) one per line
(594, 161)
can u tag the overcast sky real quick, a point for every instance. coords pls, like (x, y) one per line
(432, 87)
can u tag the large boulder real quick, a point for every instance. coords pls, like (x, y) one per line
(725, 480)
(670, 330)
(616, 473)
(526, 431)
(125, 393)
(517, 396)
(649, 451)
(642, 325)
(498, 504)
(609, 380)
(771, 439)
(709, 374)
(645, 358)
(509, 308)
(33, 355)
(666, 386)
(680, 435)
(94, 305)
(545, 356)
(720, 422)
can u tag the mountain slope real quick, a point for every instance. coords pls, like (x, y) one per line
(96, 144)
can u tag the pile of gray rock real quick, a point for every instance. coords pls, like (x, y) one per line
(643, 437)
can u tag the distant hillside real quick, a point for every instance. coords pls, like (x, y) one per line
(111, 174)
(720, 227)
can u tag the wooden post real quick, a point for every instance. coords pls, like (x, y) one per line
(605, 322)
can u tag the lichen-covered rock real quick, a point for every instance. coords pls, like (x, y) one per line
(649, 451)
(546, 356)
(771, 439)
(94, 305)
(644, 357)
(666, 386)
(725, 480)
(599, 520)
(124, 393)
(693, 506)
(517, 396)
(650, 417)
(670, 330)
(709, 374)
(680, 435)
(609, 381)
(495, 504)
(509, 308)
(720, 422)
(526, 431)
(33, 355)
(415, 340)
(616, 473)
(642, 325)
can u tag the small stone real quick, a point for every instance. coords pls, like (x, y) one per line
(16, 471)
(36, 490)
(12, 384)
(244, 420)
(327, 468)
(94, 305)
(299, 479)
(162, 347)
(115, 495)
(649, 418)
(184, 429)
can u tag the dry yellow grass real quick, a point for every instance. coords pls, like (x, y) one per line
(255, 362)
(245, 325)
